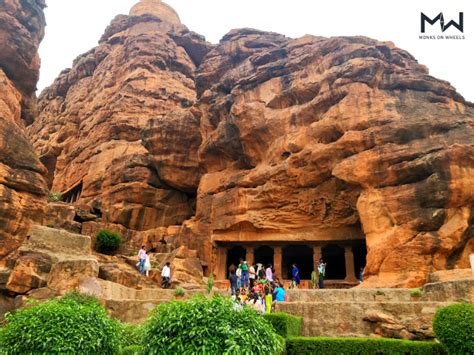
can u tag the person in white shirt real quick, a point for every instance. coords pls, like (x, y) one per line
(252, 274)
(147, 264)
(141, 259)
(166, 274)
(269, 273)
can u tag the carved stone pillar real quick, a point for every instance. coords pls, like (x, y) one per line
(249, 255)
(277, 261)
(220, 269)
(350, 271)
(316, 256)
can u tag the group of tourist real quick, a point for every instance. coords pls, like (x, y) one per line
(144, 267)
(255, 286)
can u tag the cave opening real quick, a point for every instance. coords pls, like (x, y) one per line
(234, 255)
(360, 257)
(302, 255)
(334, 256)
(264, 255)
(73, 194)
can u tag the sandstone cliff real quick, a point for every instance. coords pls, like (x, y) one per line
(22, 186)
(137, 84)
(316, 133)
(277, 139)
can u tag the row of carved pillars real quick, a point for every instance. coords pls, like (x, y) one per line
(221, 259)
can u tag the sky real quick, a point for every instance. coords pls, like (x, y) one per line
(75, 26)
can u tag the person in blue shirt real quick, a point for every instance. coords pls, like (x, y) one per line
(279, 293)
(295, 275)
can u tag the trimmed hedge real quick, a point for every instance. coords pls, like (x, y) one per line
(285, 324)
(454, 328)
(303, 345)
(132, 350)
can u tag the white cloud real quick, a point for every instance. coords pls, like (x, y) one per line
(75, 26)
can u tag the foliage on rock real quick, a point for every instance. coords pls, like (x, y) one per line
(108, 242)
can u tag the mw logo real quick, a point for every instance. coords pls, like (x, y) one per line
(444, 26)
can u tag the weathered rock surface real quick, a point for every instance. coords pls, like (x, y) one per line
(273, 138)
(22, 186)
(391, 313)
(137, 84)
(319, 133)
(52, 258)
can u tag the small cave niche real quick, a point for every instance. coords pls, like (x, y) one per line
(73, 194)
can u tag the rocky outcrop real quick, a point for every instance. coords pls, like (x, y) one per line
(137, 84)
(22, 186)
(310, 134)
(52, 258)
(263, 137)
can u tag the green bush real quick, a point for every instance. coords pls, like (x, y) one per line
(61, 326)
(132, 350)
(285, 324)
(367, 346)
(210, 283)
(108, 241)
(132, 334)
(208, 326)
(416, 292)
(454, 328)
(55, 197)
(80, 298)
(179, 292)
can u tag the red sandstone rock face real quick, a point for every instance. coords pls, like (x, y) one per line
(22, 186)
(138, 84)
(284, 140)
(316, 133)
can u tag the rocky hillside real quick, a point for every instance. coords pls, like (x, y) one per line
(265, 135)
(94, 117)
(22, 186)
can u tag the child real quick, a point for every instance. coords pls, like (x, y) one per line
(147, 264)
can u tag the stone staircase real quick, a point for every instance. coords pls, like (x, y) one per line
(375, 312)
(129, 304)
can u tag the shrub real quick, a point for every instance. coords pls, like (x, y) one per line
(179, 292)
(108, 241)
(132, 350)
(80, 298)
(366, 346)
(285, 324)
(416, 292)
(61, 326)
(132, 335)
(454, 328)
(210, 283)
(55, 197)
(208, 326)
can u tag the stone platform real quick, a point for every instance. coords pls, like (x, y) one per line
(375, 312)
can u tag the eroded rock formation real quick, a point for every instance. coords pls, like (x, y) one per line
(22, 186)
(95, 115)
(324, 133)
(278, 140)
